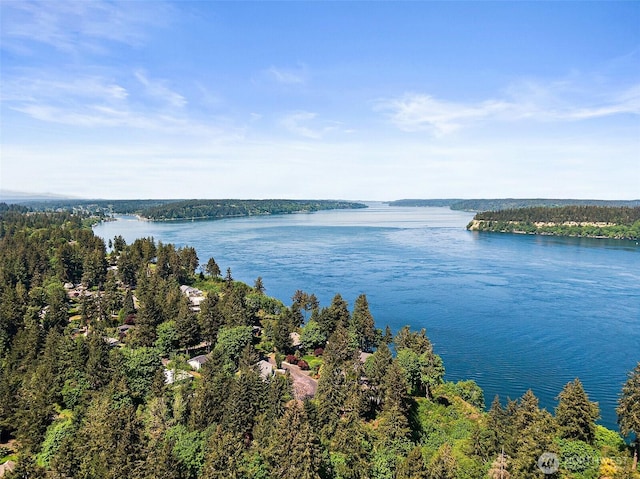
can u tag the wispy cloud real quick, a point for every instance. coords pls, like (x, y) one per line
(559, 101)
(308, 125)
(78, 25)
(287, 76)
(298, 122)
(418, 112)
(88, 101)
(158, 89)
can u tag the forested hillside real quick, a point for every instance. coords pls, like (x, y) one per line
(518, 203)
(498, 204)
(201, 209)
(585, 221)
(135, 361)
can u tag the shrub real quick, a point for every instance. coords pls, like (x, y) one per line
(291, 359)
(318, 352)
(302, 364)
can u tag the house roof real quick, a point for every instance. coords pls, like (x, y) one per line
(295, 339)
(199, 359)
(265, 369)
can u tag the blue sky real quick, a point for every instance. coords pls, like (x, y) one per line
(353, 100)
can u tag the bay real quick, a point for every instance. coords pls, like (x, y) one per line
(511, 312)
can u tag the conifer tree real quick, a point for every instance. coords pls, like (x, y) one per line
(212, 268)
(212, 393)
(297, 452)
(575, 414)
(186, 325)
(500, 468)
(628, 409)
(362, 324)
(413, 467)
(224, 456)
(210, 318)
(443, 465)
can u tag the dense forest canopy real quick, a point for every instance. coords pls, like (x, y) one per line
(144, 363)
(163, 210)
(510, 203)
(587, 221)
(594, 214)
(197, 209)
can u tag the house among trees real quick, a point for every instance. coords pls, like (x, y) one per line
(194, 295)
(197, 362)
(174, 375)
(265, 368)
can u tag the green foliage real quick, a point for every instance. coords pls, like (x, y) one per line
(188, 447)
(608, 440)
(124, 421)
(590, 221)
(519, 203)
(575, 414)
(140, 367)
(232, 340)
(168, 338)
(203, 209)
(628, 409)
(312, 336)
(57, 432)
(578, 456)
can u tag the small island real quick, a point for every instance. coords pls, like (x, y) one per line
(579, 221)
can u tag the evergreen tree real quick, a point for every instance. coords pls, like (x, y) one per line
(212, 393)
(413, 467)
(212, 268)
(337, 314)
(210, 318)
(575, 414)
(534, 433)
(362, 324)
(500, 468)
(416, 341)
(444, 464)
(224, 456)
(297, 452)
(187, 326)
(127, 304)
(258, 285)
(244, 403)
(375, 368)
(629, 409)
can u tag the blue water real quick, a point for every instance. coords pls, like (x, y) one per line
(512, 312)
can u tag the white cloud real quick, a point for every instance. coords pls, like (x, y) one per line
(89, 101)
(34, 87)
(287, 76)
(78, 25)
(560, 101)
(417, 112)
(298, 122)
(158, 89)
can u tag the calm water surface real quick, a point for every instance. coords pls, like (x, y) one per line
(511, 312)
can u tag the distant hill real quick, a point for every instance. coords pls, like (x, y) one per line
(213, 209)
(498, 204)
(12, 196)
(617, 222)
(430, 202)
(515, 203)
